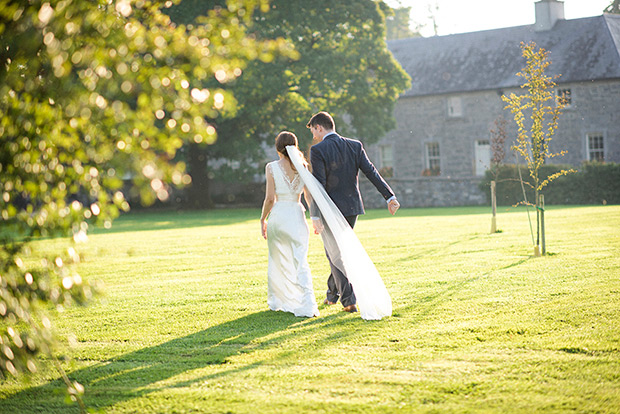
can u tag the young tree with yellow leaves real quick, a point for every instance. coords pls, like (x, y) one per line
(536, 113)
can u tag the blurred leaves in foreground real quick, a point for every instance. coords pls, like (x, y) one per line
(96, 97)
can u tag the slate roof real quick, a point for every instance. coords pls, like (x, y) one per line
(581, 50)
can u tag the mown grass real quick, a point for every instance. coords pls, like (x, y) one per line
(479, 324)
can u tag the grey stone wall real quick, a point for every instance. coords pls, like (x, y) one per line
(595, 108)
(426, 192)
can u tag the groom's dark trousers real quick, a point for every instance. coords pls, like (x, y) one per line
(337, 281)
(336, 162)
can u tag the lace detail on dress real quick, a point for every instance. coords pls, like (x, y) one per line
(294, 186)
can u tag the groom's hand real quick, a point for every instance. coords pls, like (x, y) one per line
(393, 206)
(318, 226)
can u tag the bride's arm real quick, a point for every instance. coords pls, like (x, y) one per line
(316, 222)
(270, 198)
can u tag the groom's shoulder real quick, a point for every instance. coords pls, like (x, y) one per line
(320, 146)
(352, 141)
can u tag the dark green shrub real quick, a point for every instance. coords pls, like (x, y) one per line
(594, 183)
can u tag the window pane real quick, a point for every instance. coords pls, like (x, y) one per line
(596, 147)
(432, 149)
(387, 158)
(386, 166)
(564, 96)
(455, 108)
(433, 159)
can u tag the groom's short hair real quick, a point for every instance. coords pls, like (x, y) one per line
(323, 119)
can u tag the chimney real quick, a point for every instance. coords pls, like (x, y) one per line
(547, 13)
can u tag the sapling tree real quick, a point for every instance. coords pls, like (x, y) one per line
(536, 113)
(498, 139)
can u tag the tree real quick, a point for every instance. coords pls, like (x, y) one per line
(498, 138)
(432, 16)
(544, 108)
(614, 7)
(342, 65)
(92, 92)
(397, 23)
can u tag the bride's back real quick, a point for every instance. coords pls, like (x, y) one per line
(288, 185)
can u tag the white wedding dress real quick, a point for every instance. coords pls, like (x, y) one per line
(289, 286)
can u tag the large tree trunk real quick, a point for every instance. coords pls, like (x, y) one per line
(198, 194)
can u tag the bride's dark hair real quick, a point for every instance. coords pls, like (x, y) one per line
(283, 140)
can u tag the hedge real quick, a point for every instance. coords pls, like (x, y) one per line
(593, 183)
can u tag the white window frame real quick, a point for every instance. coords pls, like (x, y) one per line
(455, 107)
(386, 161)
(590, 151)
(386, 156)
(432, 160)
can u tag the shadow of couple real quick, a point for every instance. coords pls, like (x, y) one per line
(148, 370)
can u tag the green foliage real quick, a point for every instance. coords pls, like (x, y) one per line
(614, 7)
(93, 93)
(397, 23)
(478, 325)
(594, 183)
(544, 108)
(339, 63)
(534, 135)
(344, 65)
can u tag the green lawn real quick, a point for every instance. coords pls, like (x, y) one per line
(479, 325)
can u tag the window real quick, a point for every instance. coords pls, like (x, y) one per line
(386, 159)
(482, 156)
(596, 147)
(433, 159)
(564, 96)
(455, 107)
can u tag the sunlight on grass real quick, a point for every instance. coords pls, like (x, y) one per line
(479, 325)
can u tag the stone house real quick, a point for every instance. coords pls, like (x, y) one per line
(440, 148)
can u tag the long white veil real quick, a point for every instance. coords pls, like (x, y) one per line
(345, 249)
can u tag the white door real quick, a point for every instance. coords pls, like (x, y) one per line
(482, 159)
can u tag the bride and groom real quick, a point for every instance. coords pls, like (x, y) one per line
(332, 192)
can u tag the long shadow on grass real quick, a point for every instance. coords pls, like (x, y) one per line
(441, 248)
(148, 370)
(425, 305)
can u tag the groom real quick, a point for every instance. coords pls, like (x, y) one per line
(336, 162)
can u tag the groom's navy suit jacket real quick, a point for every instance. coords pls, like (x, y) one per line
(335, 164)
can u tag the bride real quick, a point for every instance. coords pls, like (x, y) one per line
(289, 285)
